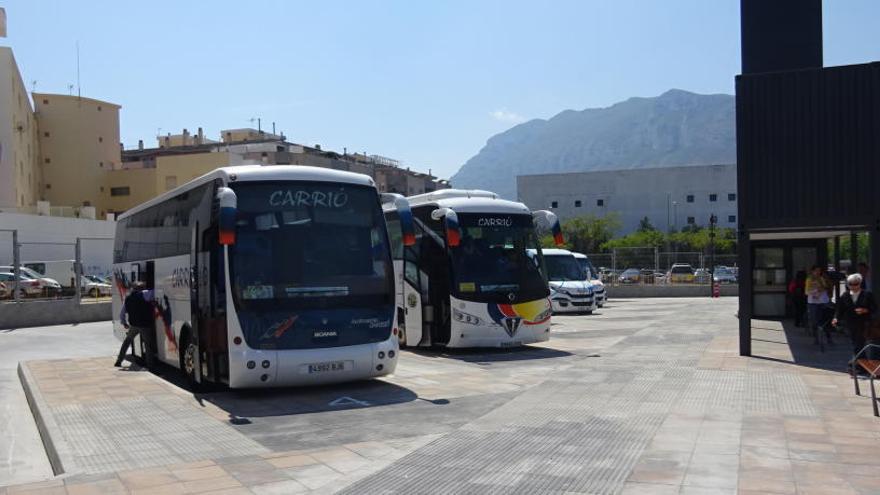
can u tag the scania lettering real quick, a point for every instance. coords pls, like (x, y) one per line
(265, 276)
(468, 279)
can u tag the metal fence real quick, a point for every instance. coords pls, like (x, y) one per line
(33, 269)
(647, 265)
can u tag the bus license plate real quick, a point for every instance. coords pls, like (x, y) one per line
(328, 367)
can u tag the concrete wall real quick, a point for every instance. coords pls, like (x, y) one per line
(58, 312)
(97, 255)
(637, 193)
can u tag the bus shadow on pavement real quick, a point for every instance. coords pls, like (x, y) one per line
(489, 356)
(255, 403)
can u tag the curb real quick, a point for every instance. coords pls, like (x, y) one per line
(56, 448)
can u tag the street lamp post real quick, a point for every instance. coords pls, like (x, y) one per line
(712, 221)
(675, 228)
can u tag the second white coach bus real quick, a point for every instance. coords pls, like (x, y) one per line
(264, 276)
(468, 279)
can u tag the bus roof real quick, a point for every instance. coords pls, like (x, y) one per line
(468, 201)
(259, 173)
(557, 252)
(581, 256)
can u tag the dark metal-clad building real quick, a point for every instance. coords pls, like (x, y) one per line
(808, 153)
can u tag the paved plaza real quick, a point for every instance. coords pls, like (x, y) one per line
(645, 396)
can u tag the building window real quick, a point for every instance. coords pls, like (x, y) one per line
(47, 160)
(713, 197)
(99, 108)
(577, 203)
(691, 220)
(48, 186)
(554, 204)
(170, 182)
(120, 191)
(600, 202)
(731, 196)
(87, 203)
(100, 139)
(731, 218)
(102, 188)
(46, 134)
(45, 101)
(690, 198)
(101, 164)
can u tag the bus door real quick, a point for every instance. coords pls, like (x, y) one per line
(195, 280)
(412, 294)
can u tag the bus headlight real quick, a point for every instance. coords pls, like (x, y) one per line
(463, 317)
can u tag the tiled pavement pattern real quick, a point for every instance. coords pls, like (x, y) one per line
(112, 420)
(670, 409)
(667, 407)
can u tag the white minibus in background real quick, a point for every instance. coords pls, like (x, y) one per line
(468, 279)
(264, 276)
(592, 275)
(570, 292)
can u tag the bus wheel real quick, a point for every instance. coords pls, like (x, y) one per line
(188, 355)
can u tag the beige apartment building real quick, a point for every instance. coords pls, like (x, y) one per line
(20, 179)
(79, 144)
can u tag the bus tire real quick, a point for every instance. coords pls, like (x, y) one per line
(188, 353)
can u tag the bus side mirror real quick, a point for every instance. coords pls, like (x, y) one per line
(228, 209)
(549, 219)
(450, 221)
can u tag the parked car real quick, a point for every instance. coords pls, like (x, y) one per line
(94, 286)
(680, 273)
(701, 276)
(630, 276)
(48, 286)
(724, 275)
(26, 286)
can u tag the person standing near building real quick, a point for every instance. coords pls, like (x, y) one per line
(818, 289)
(139, 308)
(796, 290)
(865, 272)
(855, 310)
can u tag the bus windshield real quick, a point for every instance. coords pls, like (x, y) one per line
(309, 245)
(586, 268)
(562, 268)
(492, 262)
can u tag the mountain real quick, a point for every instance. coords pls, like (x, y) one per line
(675, 128)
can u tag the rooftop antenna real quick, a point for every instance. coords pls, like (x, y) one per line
(70, 89)
(33, 86)
(78, 87)
(252, 119)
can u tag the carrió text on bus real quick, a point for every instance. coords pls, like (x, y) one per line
(324, 199)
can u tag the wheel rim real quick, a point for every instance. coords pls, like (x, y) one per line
(189, 359)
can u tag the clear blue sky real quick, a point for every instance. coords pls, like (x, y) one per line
(424, 82)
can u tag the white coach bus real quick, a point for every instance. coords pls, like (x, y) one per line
(468, 279)
(264, 276)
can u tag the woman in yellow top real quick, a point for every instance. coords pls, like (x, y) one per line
(818, 289)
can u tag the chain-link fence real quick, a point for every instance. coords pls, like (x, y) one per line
(35, 269)
(647, 265)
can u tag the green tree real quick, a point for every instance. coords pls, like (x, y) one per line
(585, 234)
(645, 225)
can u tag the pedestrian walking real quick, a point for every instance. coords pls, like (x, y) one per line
(855, 309)
(139, 309)
(818, 289)
(798, 294)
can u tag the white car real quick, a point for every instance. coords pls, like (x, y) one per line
(48, 286)
(569, 291)
(94, 286)
(26, 286)
(592, 275)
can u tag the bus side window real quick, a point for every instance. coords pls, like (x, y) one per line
(395, 235)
